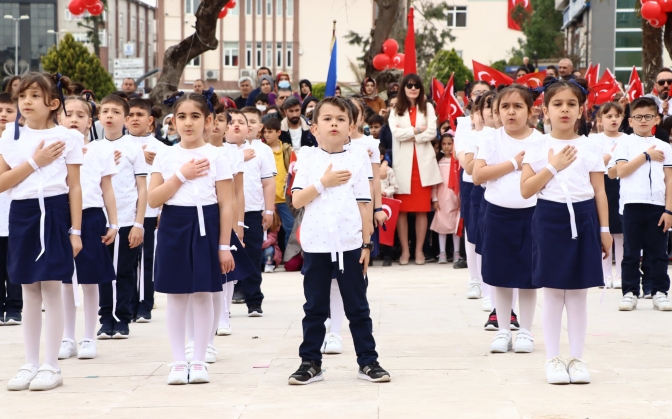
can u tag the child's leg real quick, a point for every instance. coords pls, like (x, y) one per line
(55, 320)
(442, 242)
(456, 247)
(126, 276)
(70, 311)
(577, 320)
(203, 319)
(606, 267)
(269, 252)
(633, 234)
(176, 319)
(503, 297)
(318, 270)
(655, 244)
(514, 300)
(470, 250)
(527, 306)
(32, 322)
(189, 328)
(486, 290)
(145, 307)
(254, 238)
(227, 295)
(618, 250)
(216, 314)
(554, 302)
(337, 310)
(90, 310)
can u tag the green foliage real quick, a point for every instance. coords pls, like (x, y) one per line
(444, 64)
(73, 59)
(499, 65)
(541, 29)
(318, 90)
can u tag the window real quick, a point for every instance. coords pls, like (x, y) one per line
(133, 23)
(230, 54)
(248, 54)
(141, 49)
(235, 11)
(121, 19)
(121, 46)
(290, 55)
(290, 8)
(278, 8)
(259, 52)
(459, 53)
(278, 55)
(260, 7)
(457, 16)
(269, 8)
(269, 55)
(142, 25)
(628, 42)
(190, 6)
(248, 7)
(196, 62)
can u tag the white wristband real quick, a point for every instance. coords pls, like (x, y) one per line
(242, 224)
(180, 176)
(33, 164)
(551, 169)
(319, 187)
(514, 163)
(269, 212)
(604, 229)
(227, 247)
(114, 226)
(138, 225)
(75, 232)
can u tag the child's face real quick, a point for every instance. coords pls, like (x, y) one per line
(218, 127)
(447, 146)
(610, 121)
(271, 136)
(7, 114)
(444, 128)
(138, 121)
(643, 127)
(262, 104)
(112, 117)
(32, 104)
(332, 126)
(237, 130)
(513, 112)
(563, 110)
(254, 124)
(190, 122)
(375, 130)
(488, 118)
(78, 116)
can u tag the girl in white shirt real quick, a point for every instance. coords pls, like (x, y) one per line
(93, 263)
(570, 226)
(192, 250)
(39, 167)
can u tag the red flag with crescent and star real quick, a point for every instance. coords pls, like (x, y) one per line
(526, 4)
(391, 207)
(448, 108)
(532, 80)
(490, 75)
(592, 73)
(437, 90)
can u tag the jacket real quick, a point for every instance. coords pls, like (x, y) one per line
(389, 186)
(402, 133)
(307, 138)
(252, 98)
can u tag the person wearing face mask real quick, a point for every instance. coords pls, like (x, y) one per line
(309, 103)
(169, 130)
(261, 102)
(295, 130)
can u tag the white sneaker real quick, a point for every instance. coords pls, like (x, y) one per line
(578, 374)
(618, 283)
(179, 373)
(647, 297)
(524, 343)
(224, 331)
(68, 349)
(211, 354)
(442, 259)
(87, 349)
(47, 378)
(556, 371)
(189, 351)
(269, 269)
(22, 379)
(486, 305)
(327, 325)
(501, 343)
(198, 372)
(474, 289)
(660, 302)
(608, 282)
(332, 344)
(628, 303)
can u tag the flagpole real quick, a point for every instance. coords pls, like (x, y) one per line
(333, 33)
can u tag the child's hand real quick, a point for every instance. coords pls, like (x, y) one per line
(379, 218)
(436, 206)
(607, 241)
(108, 238)
(249, 154)
(117, 156)
(195, 169)
(519, 159)
(563, 158)
(656, 155)
(44, 156)
(266, 221)
(135, 237)
(149, 155)
(76, 242)
(84, 150)
(364, 260)
(665, 221)
(335, 178)
(226, 261)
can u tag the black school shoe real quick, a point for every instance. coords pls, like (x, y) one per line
(143, 318)
(374, 373)
(308, 372)
(255, 311)
(120, 331)
(12, 319)
(238, 297)
(387, 262)
(514, 321)
(492, 324)
(460, 264)
(106, 331)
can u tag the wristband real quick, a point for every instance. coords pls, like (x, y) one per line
(319, 187)
(75, 232)
(114, 227)
(33, 164)
(377, 210)
(242, 224)
(667, 212)
(604, 229)
(138, 225)
(551, 169)
(514, 163)
(180, 176)
(227, 247)
(269, 212)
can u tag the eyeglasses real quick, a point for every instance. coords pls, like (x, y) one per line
(663, 82)
(411, 86)
(638, 118)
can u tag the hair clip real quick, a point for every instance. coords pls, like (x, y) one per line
(208, 98)
(170, 102)
(585, 92)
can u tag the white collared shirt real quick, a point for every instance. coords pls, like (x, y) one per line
(98, 162)
(362, 153)
(131, 164)
(461, 146)
(154, 146)
(236, 156)
(262, 166)
(371, 145)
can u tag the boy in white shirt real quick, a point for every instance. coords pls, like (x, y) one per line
(644, 165)
(334, 190)
(130, 191)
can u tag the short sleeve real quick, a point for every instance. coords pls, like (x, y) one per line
(157, 166)
(488, 149)
(222, 167)
(75, 154)
(537, 156)
(267, 163)
(360, 183)
(140, 166)
(599, 165)
(301, 180)
(668, 156)
(367, 165)
(240, 161)
(110, 166)
(620, 152)
(375, 155)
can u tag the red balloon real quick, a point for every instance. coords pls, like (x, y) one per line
(76, 7)
(89, 3)
(223, 13)
(381, 62)
(98, 8)
(666, 5)
(390, 47)
(231, 5)
(651, 10)
(659, 21)
(398, 61)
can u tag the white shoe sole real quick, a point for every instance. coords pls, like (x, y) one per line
(86, 356)
(626, 308)
(119, 336)
(103, 336)
(179, 381)
(383, 379)
(491, 328)
(294, 381)
(60, 356)
(558, 381)
(582, 380)
(224, 331)
(143, 320)
(662, 309)
(199, 380)
(44, 387)
(500, 349)
(523, 349)
(12, 323)
(255, 314)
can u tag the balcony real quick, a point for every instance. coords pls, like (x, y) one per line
(573, 11)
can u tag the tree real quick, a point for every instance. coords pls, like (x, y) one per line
(444, 64)
(94, 24)
(73, 59)
(652, 54)
(543, 36)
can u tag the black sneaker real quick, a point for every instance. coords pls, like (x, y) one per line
(106, 331)
(255, 311)
(143, 318)
(238, 297)
(373, 372)
(12, 319)
(387, 262)
(308, 372)
(492, 324)
(120, 331)
(460, 264)
(514, 321)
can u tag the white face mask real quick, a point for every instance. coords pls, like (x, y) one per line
(261, 108)
(172, 137)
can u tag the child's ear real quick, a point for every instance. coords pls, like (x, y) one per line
(151, 119)
(314, 130)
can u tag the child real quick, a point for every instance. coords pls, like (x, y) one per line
(39, 167)
(130, 191)
(644, 165)
(376, 122)
(446, 203)
(335, 239)
(272, 252)
(261, 102)
(569, 226)
(281, 154)
(388, 187)
(93, 263)
(507, 239)
(192, 250)
(11, 301)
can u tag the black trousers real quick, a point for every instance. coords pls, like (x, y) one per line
(145, 307)
(254, 238)
(126, 282)
(11, 300)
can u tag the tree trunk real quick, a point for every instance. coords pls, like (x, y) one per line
(390, 18)
(652, 53)
(667, 36)
(176, 57)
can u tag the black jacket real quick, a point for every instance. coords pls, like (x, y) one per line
(307, 138)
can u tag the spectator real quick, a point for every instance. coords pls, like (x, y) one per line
(369, 92)
(392, 88)
(528, 65)
(282, 153)
(337, 92)
(307, 106)
(274, 111)
(263, 71)
(522, 71)
(129, 87)
(577, 74)
(552, 71)
(282, 95)
(565, 69)
(262, 103)
(376, 122)
(245, 86)
(272, 252)
(295, 130)
(199, 86)
(306, 89)
(12, 85)
(266, 85)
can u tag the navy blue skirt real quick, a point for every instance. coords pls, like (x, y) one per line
(558, 261)
(507, 247)
(481, 220)
(612, 188)
(185, 261)
(244, 266)
(57, 262)
(465, 198)
(94, 263)
(474, 211)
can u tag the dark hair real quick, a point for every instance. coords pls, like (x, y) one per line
(272, 108)
(88, 95)
(8, 86)
(382, 149)
(662, 70)
(403, 103)
(376, 119)
(524, 92)
(238, 112)
(157, 113)
(523, 69)
(116, 100)
(270, 73)
(306, 101)
(604, 109)
(285, 89)
(574, 85)
(200, 100)
(485, 100)
(476, 83)
(6, 97)
(290, 102)
(143, 104)
(77, 88)
(552, 67)
(358, 106)
(261, 97)
(121, 94)
(48, 84)
(336, 101)
(251, 109)
(440, 155)
(87, 104)
(390, 97)
(272, 124)
(644, 102)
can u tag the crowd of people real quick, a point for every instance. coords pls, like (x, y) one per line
(198, 203)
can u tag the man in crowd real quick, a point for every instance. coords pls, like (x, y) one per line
(295, 130)
(662, 89)
(199, 86)
(566, 68)
(528, 65)
(283, 94)
(245, 86)
(129, 87)
(263, 71)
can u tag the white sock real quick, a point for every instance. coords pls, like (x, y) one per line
(69, 311)
(54, 320)
(514, 300)
(576, 302)
(32, 322)
(470, 250)
(227, 297)
(217, 312)
(618, 246)
(337, 308)
(527, 305)
(190, 319)
(91, 306)
(176, 320)
(456, 246)
(503, 297)
(551, 323)
(203, 319)
(442, 242)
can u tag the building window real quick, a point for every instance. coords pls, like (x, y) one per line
(121, 46)
(196, 62)
(141, 49)
(260, 7)
(269, 55)
(133, 23)
(248, 54)
(235, 11)
(230, 54)
(269, 8)
(142, 25)
(248, 7)
(628, 42)
(278, 55)
(121, 19)
(190, 6)
(278, 8)
(457, 16)
(290, 8)
(259, 55)
(290, 55)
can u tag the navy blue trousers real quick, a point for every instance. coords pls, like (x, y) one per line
(254, 238)
(126, 282)
(318, 272)
(11, 299)
(145, 307)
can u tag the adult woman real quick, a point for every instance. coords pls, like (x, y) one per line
(413, 126)
(369, 92)
(309, 103)
(266, 85)
(522, 71)
(306, 88)
(13, 84)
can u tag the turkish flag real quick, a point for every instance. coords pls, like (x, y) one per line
(607, 77)
(391, 207)
(592, 73)
(635, 89)
(532, 80)
(437, 90)
(454, 178)
(410, 62)
(290, 174)
(527, 5)
(540, 100)
(448, 108)
(490, 75)
(605, 92)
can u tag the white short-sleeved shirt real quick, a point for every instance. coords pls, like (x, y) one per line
(236, 156)
(637, 188)
(131, 164)
(335, 207)
(153, 145)
(371, 145)
(363, 154)
(98, 162)
(262, 166)
(461, 146)
(498, 147)
(5, 202)
(576, 176)
(53, 176)
(201, 190)
(303, 154)
(608, 143)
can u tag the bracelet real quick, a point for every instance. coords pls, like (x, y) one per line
(138, 225)
(227, 247)
(604, 229)
(269, 212)
(551, 169)
(180, 176)
(667, 212)
(377, 210)
(75, 232)
(319, 187)
(114, 227)
(242, 224)
(33, 164)
(514, 163)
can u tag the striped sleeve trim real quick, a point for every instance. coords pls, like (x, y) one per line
(363, 200)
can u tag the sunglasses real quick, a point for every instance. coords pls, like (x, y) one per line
(663, 82)
(411, 86)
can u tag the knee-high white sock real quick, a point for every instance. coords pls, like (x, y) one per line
(486, 290)
(337, 308)
(217, 312)
(576, 302)
(606, 267)
(176, 319)
(69, 310)
(227, 297)
(456, 246)
(503, 297)
(527, 305)
(618, 250)
(189, 330)
(470, 250)
(32, 322)
(514, 299)
(54, 322)
(442, 242)
(551, 320)
(203, 319)
(91, 305)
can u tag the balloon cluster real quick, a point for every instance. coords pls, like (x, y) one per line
(390, 59)
(225, 10)
(94, 7)
(655, 11)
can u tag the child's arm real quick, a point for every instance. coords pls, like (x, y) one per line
(111, 207)
(484, 173)
(380, 216)
(269, 200)
(224, 192)
(240, 201)
(666, 219)
(234, 206)
(331, 178)
(469, 163)
(366, 237)
(75, 198)
(137, 234)
(435, 198)
(612, 172)
(626, 168)
(43, 156)
(531, 183)
(597, 180)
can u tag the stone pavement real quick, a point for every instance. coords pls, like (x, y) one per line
(429, 336)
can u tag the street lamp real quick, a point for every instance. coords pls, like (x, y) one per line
(53, 32)
(16, 39)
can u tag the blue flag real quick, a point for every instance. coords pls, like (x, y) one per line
(330, 89)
